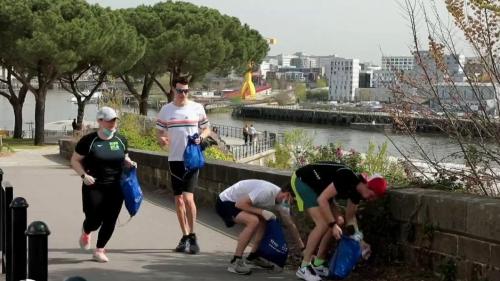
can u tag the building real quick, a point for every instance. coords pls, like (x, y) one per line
(285, 60)
(325, 63)
(296, 74)
(344, 79)
(303, 60)
(366, 75)
(454, 67)
(463, 98)
(396, 63)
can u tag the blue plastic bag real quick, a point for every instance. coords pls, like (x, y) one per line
(132, 193)
(193, 156)
(346, 256)
(273, 246)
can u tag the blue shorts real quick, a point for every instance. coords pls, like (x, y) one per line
(227, 211)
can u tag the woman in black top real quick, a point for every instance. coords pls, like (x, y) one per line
(99, 158)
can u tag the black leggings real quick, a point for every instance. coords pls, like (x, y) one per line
(101, 205)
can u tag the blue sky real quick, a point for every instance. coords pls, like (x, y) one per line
(363, 29)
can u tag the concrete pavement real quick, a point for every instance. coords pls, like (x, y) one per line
(139, 250)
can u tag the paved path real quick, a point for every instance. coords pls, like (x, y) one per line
(140, 250)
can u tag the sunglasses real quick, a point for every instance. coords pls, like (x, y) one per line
(182, 91)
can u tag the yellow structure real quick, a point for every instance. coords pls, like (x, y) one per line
(248, 88)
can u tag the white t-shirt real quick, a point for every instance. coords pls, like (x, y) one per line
(181, 122)
(252, 131)
(262, 193)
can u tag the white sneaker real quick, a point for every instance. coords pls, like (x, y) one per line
(100, 256)
(239, 267)
(320, 270)
(307, 273)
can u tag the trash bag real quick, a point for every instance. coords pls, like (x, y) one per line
(344, 259)
(273, 246)
(132, 193)
(193, 156)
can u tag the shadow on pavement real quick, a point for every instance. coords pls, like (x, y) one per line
(159, 265)
(56, 158)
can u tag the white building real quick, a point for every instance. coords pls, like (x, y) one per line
(462, 97)
(397, 62)
(285, 60)
(304, 60)
(344, 79)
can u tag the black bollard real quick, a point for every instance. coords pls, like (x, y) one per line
(7, 218)
(37, 233)
(2, 235)
(19, 208)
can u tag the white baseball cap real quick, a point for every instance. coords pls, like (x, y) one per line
(106, 113)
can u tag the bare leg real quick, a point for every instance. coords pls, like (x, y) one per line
(180, 209)
(190, 210)
(251, 223)
(316, 234)
(259, 233)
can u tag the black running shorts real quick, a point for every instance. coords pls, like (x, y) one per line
(181, 179)
(227, 211)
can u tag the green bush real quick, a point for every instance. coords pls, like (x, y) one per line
(215, 153)
(138, 135)
(297, 151)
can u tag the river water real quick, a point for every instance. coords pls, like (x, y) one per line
(58, 107)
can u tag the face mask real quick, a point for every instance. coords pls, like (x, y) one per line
(284, 206)
(108, 133)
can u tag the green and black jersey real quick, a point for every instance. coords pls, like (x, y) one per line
(103, 158)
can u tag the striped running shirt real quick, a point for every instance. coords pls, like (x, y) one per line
(179, 123)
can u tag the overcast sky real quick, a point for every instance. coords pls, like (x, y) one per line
(363, 29)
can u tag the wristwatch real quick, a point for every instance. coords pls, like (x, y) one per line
(82, 176)
(332, 224)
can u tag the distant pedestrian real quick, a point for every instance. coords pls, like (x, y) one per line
(253, 133)
(74, 125)
(245, 133)
(176, 121)
(99, 159)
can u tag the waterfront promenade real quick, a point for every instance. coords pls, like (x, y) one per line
(139, 250)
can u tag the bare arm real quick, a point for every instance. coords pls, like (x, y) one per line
(323, 203)
(205, 132)
(245, 204)
(288, 222)
(162, 137)
(76, 163)
(350, 213)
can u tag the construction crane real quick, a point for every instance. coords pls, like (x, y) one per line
(248, 88)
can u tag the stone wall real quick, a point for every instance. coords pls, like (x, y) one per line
(447, 231)
(435, 227)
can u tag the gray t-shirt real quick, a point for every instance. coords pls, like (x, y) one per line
(262, 193)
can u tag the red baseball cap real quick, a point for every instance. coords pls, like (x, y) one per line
(377, 184)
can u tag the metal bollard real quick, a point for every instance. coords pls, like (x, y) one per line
(6, 241)
(18, 258)
(38, 233)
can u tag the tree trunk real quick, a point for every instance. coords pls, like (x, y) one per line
(18, 120)
(146, 88)
(40, 97)
(80, 113)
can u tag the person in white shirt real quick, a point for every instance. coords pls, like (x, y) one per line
(176, 121)
(253, 133)
(247, 203)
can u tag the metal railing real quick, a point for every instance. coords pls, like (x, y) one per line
(243, 151)
(24, 248)
(228, 131)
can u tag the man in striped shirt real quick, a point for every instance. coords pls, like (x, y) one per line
(176, 121)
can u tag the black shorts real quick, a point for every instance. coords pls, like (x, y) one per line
(227, 211)
(181, 179)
